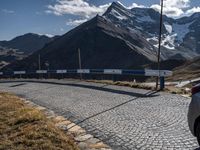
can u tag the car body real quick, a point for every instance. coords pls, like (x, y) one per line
(194, 111)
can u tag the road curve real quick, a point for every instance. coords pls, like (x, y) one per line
(124, 118)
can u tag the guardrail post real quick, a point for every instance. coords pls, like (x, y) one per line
(162, 83)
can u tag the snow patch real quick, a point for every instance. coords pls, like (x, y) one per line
(181, 30)
(152, 39)
(169, 41)
(139, 28)
(121, 4)
(168, 27)
(118, 15)
(145, 19)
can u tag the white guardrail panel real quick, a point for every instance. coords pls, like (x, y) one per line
(83, 71)
(112, 71)
(162, 73)
(61, 71)
(19, 72)
(41, 71)
(148, 72)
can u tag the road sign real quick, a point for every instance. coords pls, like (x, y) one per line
(41, 71)
(19, 72)
(61, 71)
(112, 71)
(83, 71)
(157, 73)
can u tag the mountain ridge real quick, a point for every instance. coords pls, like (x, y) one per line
(21, 46)
(27, 43)
(177, 33)
(120, 38)
(99, 41)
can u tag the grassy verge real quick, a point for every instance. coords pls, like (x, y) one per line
(23, 127)
(181, 91)
(169, 89)
(123, 83)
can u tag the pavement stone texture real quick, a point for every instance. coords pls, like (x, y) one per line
(122, 117)
(83, 140)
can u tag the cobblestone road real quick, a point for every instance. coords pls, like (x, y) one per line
(122, 117)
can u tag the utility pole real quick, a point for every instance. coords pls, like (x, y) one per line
(160, 39)
(79, 58)
(39, 63)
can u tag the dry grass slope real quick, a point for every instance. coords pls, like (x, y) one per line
(22, 127)
(169, 89)
(123, 83)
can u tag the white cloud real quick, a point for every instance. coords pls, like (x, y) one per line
(48, 35)
(6, 11)
(173, 8)
(177, 3)
(169, 11)
(135, 5)
(84, 10)
(193, 10)
(75, 22)
(77, 8)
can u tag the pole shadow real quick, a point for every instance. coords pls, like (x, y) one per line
(78, 84)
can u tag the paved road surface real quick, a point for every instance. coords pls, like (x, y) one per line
(123, 117)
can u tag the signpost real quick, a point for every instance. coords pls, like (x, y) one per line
(41, 71)
(79, 59)
(20, 73)
(160, 39)
(39, 63)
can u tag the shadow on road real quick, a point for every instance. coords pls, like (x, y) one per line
(102, 88)
(149, 93)
(18, 85)
(78, 84)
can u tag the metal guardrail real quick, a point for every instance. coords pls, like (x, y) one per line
(147, 72)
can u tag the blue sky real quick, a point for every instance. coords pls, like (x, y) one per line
(56, 17)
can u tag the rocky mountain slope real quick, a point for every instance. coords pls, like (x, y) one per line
(180, 36)
(189, 70)
(121, 38)
(9, 55)
(102, 45)
(27, 43)
(21, 46)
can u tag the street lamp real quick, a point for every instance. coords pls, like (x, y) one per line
(160, 39)
(79, 59)
(39, 62)
(47, 65)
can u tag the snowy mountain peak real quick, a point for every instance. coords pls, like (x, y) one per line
(177, 34)
(118, 7)
(118, 4)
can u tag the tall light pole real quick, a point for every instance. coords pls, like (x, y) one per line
(160, 39)
(79, 59)
(39, 63)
